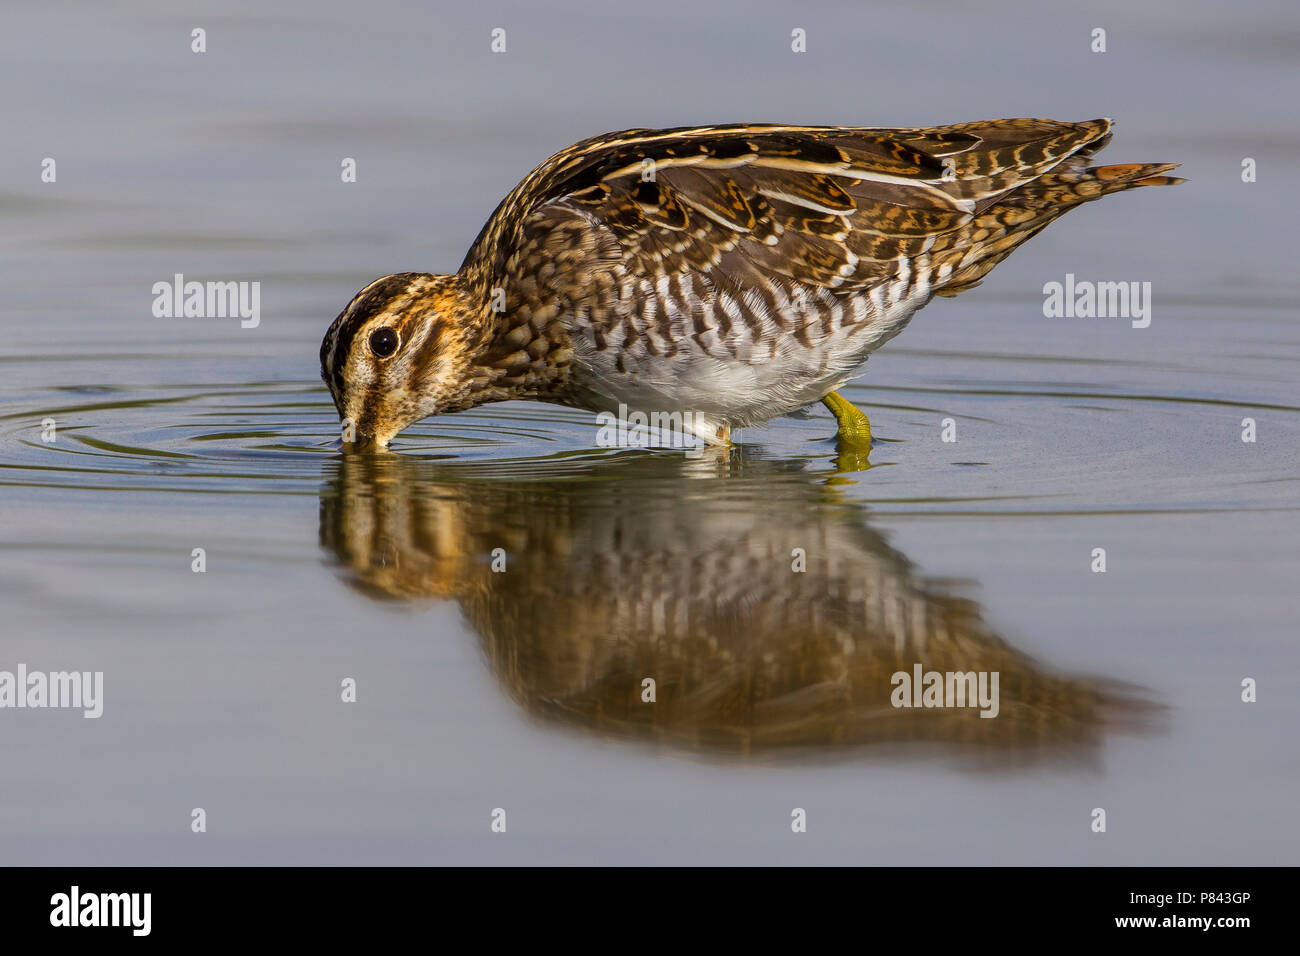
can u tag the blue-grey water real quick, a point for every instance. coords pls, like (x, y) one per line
(521, 689)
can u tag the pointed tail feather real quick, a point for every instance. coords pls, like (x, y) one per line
(1126, 176)
(1024, 212)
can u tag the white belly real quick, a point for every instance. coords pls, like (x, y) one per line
(704, 379)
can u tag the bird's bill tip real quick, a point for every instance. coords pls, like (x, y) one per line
(352, 439)
(362, 444)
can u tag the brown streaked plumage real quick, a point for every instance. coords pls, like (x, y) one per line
(735, 272)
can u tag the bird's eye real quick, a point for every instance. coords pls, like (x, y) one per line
(383, 342)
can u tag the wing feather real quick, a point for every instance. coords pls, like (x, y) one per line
(822, 197)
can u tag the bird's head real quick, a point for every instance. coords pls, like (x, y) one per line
(399, 352)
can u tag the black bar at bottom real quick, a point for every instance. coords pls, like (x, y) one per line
(976, 904)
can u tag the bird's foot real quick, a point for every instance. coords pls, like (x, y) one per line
(853, 438)
(854, 427)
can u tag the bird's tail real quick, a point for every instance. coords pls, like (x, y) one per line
(1113, 179)
(1016, 216)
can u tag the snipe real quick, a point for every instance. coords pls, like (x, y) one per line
(733, 272)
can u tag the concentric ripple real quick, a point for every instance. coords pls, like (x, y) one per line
(255, 437)
(1022, 449)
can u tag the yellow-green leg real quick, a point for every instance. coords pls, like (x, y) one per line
(855, 427)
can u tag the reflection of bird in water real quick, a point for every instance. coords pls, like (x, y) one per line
(629, 572)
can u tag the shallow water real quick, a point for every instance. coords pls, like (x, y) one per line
(521, 689)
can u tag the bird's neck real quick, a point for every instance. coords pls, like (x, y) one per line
(517, 347)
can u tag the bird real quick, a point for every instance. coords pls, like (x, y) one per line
(734, 272)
